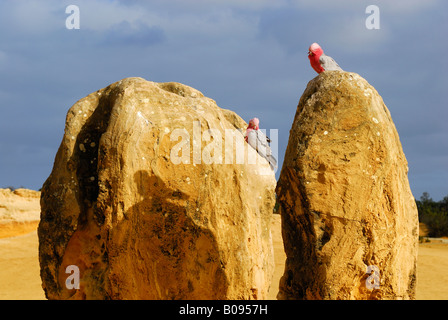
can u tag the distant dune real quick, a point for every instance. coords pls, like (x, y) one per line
(19, 211)
(19, 265)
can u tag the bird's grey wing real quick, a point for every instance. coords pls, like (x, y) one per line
(258, 140)
(252, 139)
(272, 161)
(328, 63)
(262, 143)
(265, 150)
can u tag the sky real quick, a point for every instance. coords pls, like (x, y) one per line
(249, 56)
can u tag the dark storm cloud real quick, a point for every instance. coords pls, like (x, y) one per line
(250, 56)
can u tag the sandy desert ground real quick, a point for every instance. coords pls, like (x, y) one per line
(19, 267)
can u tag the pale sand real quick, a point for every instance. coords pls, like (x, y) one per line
(432, 272)
(20, 279)
(19, 268)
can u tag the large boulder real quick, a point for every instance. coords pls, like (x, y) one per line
(349, 220)
(147, 200)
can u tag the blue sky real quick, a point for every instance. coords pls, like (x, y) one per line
(249, 56)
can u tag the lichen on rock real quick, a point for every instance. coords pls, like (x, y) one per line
(347, 208)
(139, 225)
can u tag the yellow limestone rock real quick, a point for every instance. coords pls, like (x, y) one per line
(147, 201)
(349, 220)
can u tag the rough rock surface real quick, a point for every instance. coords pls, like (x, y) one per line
(349, 220)
(140, 225)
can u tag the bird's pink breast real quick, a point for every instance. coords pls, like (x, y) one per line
(314, 60)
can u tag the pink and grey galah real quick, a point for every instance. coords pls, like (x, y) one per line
(260, 142)
(320, 61)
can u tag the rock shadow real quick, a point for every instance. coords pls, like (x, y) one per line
(160, 251)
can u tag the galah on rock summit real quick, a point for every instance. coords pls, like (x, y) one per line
(320, 61)
(260, 142)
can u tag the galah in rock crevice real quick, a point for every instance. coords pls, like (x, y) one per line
(260, 142)
(320, 61)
